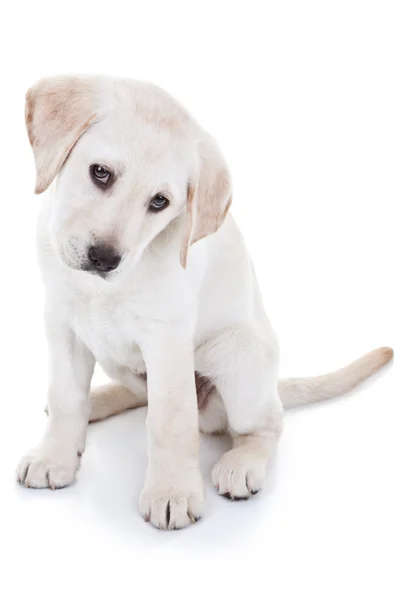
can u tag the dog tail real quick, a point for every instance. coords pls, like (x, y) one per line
(299, 391)
(113, 399)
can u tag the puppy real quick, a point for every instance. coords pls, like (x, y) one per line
(146, 273)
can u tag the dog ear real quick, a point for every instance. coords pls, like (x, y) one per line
(209, 198)
(58, 111)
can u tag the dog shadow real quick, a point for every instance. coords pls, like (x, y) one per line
(112, 476)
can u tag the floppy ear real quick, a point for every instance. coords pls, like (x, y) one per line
(58, 111)
(209, 198)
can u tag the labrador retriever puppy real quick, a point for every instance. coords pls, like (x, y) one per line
(146, 273)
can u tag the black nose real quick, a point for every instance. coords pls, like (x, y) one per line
(103, 258)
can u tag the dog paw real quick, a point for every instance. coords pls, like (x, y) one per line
(239, 475)
(172, 507)
(48, 467)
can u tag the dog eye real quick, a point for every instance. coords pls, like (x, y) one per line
(100, 175)
(158, 203)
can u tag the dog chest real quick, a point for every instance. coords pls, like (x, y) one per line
(109, 330)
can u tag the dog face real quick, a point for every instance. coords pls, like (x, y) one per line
(129, 160)
(123, 183)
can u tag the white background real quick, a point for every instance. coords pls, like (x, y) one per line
(304, 99)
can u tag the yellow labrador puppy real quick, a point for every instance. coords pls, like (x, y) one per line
(147, 274)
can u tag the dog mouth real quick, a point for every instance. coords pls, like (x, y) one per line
(103, 274)
(87, 267)
(91, 271)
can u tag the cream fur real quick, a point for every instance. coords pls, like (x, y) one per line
(151, 315)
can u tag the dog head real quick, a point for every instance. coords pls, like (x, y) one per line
(128, 161)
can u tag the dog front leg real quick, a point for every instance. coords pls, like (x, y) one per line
(173, 494)
(55, 461)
